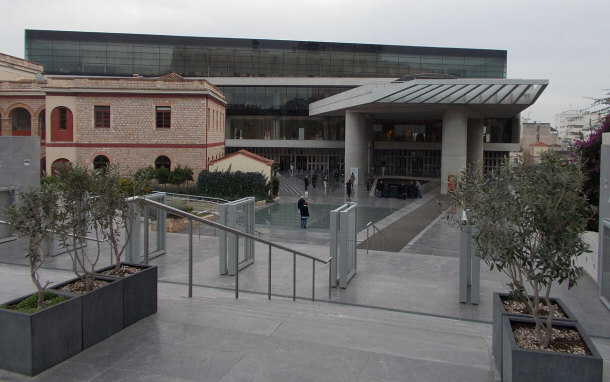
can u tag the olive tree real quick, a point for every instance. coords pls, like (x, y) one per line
(529, 219)
(110, 208)
(33, 217)
(75, 185)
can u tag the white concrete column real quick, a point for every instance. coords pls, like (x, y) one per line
(356, 145)
(453, 155)
(475, 141)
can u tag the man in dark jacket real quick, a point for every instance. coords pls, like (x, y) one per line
(304, 215)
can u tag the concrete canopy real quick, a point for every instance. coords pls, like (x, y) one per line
(484, 98)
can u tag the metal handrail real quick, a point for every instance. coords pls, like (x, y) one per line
(69, 234)
(379, 234)
(192, 218)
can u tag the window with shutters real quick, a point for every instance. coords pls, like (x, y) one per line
(164, 117)
(102, 117)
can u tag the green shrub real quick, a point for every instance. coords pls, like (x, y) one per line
(182, 206)
(233, 185)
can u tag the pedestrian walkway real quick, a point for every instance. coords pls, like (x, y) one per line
(399, 319)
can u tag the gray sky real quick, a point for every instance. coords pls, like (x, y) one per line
(564, 41)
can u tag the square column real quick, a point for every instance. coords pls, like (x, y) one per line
(475, 141)
(454, 153)
(356, 145)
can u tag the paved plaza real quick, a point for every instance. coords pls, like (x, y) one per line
(398, 320)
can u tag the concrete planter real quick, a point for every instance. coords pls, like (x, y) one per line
(102, 310)
(32, 343)
(521, 365)
(139, 293)
(498, 314)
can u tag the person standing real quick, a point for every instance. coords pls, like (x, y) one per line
(325, 180)
(300, 203)
(304, 215)
(418, 189)
(306, 182)
(314, 179)
(348, 188)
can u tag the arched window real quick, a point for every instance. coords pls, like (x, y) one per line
(101, 161)
(22, 122)
(61, 124)
(163, 161)
(57, 163)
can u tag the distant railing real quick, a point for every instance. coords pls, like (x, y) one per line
(380, 241)
(192, 218)
(200, 204)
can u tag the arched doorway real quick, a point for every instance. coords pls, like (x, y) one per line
(61, 124)
(22, 122)
(101, 161)
(163, 161)
(57, 163)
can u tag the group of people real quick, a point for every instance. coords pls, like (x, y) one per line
(314, 180)
(404, 191)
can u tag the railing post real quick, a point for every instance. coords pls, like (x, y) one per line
(313, 280)
(294, 276)
(367, 238)
(190, 257)
(236, 266)
(330, 278)
(269, 279)
(146, 249)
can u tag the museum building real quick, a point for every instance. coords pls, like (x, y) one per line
(419, 112)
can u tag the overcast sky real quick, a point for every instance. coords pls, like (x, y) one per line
(564, 41)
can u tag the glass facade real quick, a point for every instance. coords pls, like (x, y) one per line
(286, 128)
(406, 130)
(281, 112)
(275, 100)
(117, 54)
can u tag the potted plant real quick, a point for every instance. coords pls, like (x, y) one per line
(102, 297)
(529, 219)
(110, 217)
(41, 330)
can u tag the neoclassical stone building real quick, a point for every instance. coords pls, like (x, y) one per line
(133, 122)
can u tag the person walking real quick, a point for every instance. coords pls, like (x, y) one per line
(325, 180)
(348, 188)
(300, 203)
(304, 215)
(306, 183)
(314, 179)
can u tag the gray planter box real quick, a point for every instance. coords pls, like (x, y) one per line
(139, 293)
(32, 343)
(521, 365)
(498, 314)
(102, 311)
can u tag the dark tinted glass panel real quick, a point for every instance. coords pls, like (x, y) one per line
(71, 52)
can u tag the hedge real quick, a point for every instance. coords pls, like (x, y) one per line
(234, 185)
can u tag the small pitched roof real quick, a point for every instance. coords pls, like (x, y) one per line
(249, 155)
(172, 77)
(539, 144)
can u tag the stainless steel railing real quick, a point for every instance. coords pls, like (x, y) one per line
(380, 241)
(271, 245)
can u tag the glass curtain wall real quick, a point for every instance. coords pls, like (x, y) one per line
(83, 53)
